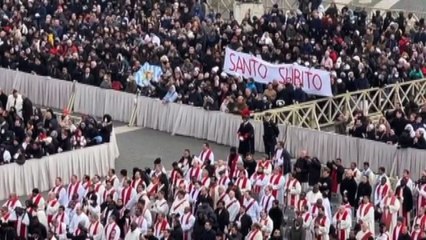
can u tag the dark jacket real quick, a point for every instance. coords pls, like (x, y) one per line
(349, 185)
(302, 175)
(314, 171)
(208, 235)
(246, 223)
(276, 214)
(222, 219)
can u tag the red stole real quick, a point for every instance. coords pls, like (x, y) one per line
(173, 176)
(51, 204)
(233, 165)
(97, 187)
(5, 218)
(57, 189)
(205, 155)
(275, 180)
(249, 205)
(21, 228)
(59, 230)
(159, 227)
(415, 235)
(230, 203)
(334, 181)
(95, 228)
(223, 180)
(135, 183)
(153, 190)
(179, 204)
(265, 204)
(36, 200)
(342, 232)
(87, 184)
(396, 232)
(257, 188)
(306, 218)
(221, 197)
(73, 189)
(194, 173)
(139, 220)
(186, 221)
(291, 184)
(11, 203)
(386, 216)
(110, 235)
(126, 194)
(253, 234)
(321, 222)
(382, 191)
(367, 235)
(108, 192)
(301, 204)
(61, 217)
(204, 181)
(244, 182)
(365, 208)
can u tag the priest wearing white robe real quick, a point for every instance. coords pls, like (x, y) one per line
(134, 232)
(342, 221)
(365, 213)
(389, 207)
(187, 221)
(232, 205)
(179, 204)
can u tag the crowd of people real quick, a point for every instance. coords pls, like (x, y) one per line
(26, 132)
(238, 198)
(105, 43)
(404, 126)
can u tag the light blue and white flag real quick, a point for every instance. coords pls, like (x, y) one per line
(146, 73)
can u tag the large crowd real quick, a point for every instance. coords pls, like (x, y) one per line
(203, 197)
(27, 132)
(103, 43)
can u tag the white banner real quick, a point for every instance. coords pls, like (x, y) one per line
(313, 81)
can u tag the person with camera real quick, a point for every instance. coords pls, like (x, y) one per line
(270, 134)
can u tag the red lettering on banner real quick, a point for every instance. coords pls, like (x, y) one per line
(317, 82)
(265, 71)
(232, 62)
(296, 77)
(308, 78)
(240, 66)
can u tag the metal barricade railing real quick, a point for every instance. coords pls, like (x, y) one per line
(373, 102)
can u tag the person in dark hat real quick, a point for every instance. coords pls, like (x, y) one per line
(246, 134)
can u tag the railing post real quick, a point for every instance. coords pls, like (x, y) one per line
(71, 101)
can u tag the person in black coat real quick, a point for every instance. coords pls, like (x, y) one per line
(407, 201)
(208, 233)
(36, 230)
(276, 214)
(348, 188)
(314, 171)
(325, 183)
(246, 135)
(301, 167)
(270, 134)
(244, 220)
(364, 189)
(27, 109)
(222, 215)
(177, 232)
(3, 99)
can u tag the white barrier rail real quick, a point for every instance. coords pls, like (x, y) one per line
(214, 126)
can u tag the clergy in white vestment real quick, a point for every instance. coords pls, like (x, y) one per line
(179, 204)
(112, 230)
(221, 166)
(95, 228)
(259, 180)
(127, 194)
(383, 233)
(140, 221)
(52, 206)
(365, 213)
(133, 233)
(397, 230)
(222, 195)
(293, 190)
(365, 233)
(114, 179)
(99, 187)
(194, 192)
(409, 182)
(266, 223)
(356, 172)
(342, 221)
(12, 202)
(40, 205)
(160, 225)
(307, 222)
(267, 200)
(420, 219)
(232, 205)
(205, 178)
(243, 182)
(389, 207)
(252, 206)
(369, 173)
(381, 191)
(223, 179)
(277, 181)
(313, 195)
(78, 217)
(206, 155)
(110, 192)
(416, 233)
(61, 215)
(75, 188)
(265, 164)
(59, 229)
(194, 172)
(187, 221)
(255, 233)
(160, 205)
(321, 225)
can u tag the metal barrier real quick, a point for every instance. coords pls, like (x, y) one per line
(373, 102)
